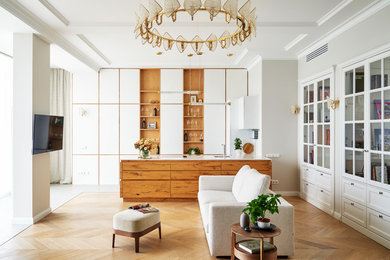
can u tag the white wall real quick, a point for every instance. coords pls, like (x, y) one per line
(255, 89)
(279, 126)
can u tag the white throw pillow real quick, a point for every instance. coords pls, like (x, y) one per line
(238, 180)
(253, 184)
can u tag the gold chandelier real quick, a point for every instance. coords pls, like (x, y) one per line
(148, 20)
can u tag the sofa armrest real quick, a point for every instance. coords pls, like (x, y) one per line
(217, 182)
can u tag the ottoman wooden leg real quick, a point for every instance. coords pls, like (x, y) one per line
(113, 240)
(159, 230)
(136, 244)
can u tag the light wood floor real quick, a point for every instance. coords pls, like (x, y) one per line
(81, 229)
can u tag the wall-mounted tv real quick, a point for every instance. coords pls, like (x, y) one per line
(48, 133)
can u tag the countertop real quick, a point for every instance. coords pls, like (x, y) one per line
(195, 157)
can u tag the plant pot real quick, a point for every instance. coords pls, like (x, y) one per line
(238, 153)
(264, 223)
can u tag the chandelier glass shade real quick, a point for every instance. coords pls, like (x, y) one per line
(148, 21)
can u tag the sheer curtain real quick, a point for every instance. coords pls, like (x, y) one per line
(60, 161)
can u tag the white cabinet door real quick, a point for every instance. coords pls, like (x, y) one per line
(129, 85)
(85, 87)
(236, 83)
(85, 169)
(109, 129)
(171, 80)
(109, 169)
(171, 129)
(378, 199)
(354, 211)
(379, 223)
(129, 128)
(214, 85)
(85, 129)
(214, 129)
(109, 86)
(354, 190)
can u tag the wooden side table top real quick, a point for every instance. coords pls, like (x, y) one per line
(256, 233)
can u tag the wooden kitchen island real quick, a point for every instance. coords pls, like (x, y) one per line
(174, 178)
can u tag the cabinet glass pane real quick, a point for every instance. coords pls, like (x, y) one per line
(386, 137)
(305, 134)
(348, 161)
(359, 136)
(348, 135)
(326, 114)
(311, 93)
(349, 82)
(359, 107)
(349, 109)
(320, 91)
(319, 134)
(305, 154)
(311, 134)
(359, 80)
(319, 156)
(327, 134)
(306, 114)
(375, 105)
(311, 113)
(305, 96)
(376, 167)
(386, 68)
(386, 101)
(376, 136)
(386, 175)
(326, 88)
(376, 74)
(311, 154)
(319, 112)
(359, 164)
(327, 158)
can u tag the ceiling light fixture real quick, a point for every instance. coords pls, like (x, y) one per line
(148, 20)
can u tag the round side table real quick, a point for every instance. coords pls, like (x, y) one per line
(236, 251)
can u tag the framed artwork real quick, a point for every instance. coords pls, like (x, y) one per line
(152, 125)
(193, 99)
(378, 137)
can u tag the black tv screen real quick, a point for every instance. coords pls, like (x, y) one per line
(48, 133)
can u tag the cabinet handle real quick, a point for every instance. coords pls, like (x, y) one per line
(322, 190)
(307, 184)
(353, 204)
(380, 216)
(321, 174)
(366, 151)
(380, 193)
(352, 183)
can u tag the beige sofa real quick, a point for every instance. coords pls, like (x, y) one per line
(220, 208)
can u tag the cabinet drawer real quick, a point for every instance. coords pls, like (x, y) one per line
(145, 166)
(309, 189)
(145, 175)
(190, 175)
(354, 211)
(324, 197)
(355, 191)
(234, 165)
(309, 175)
(146, 189)
(196, 165)
(378, 223)
(184, 189)
(378, 199)
(324, 180)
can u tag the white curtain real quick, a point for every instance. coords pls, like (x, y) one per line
(60, 89)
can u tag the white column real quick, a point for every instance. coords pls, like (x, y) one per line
(31, 95)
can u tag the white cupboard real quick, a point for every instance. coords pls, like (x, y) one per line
(109, 86)
(85, 169)
(214, 129)
(129, 85)
(85, 129)
(129, 128)
(109, 129)
(171, 129)
(171, 81)
(109, 169)
(236, 83)
(214, 85)
(85, 87)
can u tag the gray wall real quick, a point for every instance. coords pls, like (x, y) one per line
(279, 126)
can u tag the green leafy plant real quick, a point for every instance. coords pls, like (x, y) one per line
(237, 144)
(195, 150)
(258, 207)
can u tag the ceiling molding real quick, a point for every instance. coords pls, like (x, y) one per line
(241, 56)
(333, 12)
(286, 24)
(55, 12)
(257, 59)
(295, 41)
(94, 48)
(5, 54)
(365, 13)
(19, 11)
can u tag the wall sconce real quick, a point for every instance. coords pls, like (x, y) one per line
(294, 109)
(332, 104)
(82, 112)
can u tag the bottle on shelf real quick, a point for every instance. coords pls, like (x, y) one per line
(185, 136)
(143, 123)
(155, 111)
(158, 149)
(201, 137)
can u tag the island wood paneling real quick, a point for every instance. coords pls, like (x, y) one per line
(159, 180)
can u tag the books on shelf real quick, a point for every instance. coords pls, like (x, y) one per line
(253, 246)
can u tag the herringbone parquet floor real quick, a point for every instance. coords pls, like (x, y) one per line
(81, 229)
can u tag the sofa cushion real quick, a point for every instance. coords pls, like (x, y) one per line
(253, 184)
(239, 180)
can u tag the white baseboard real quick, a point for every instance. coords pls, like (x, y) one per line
(337, 215)
(32, 220)
(287, 193)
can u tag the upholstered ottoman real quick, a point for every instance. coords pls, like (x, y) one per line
(133, 223)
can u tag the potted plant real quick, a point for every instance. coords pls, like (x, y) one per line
(193, 151)
(144, 146)
(257, 208)
(238, 147)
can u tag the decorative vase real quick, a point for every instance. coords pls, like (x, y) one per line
(238, 153)
(145, 154)
(244, 220)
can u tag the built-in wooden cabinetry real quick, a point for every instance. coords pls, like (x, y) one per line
(153, 180)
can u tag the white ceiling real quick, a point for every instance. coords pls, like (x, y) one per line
(107, 26)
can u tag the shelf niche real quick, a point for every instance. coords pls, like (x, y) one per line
(150, 83)
(193, 123)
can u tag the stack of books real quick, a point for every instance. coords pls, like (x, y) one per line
(253, 246)
(144, 208)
